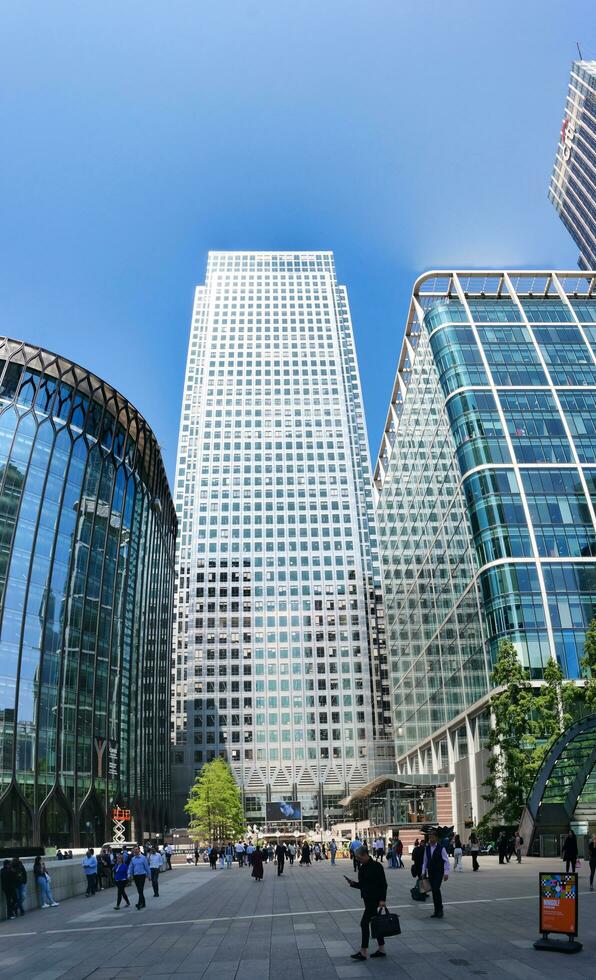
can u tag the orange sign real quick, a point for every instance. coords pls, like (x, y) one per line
(558, 903)
(120, 814)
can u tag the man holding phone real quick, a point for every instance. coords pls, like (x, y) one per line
(373, 888)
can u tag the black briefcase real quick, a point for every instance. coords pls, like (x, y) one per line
(385, 923)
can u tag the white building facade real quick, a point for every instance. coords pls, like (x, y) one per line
(278, 643)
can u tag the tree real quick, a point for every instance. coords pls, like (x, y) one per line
(526, 722)
(588, 666)
(214, 805)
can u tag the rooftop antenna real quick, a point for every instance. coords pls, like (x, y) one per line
(579, 51)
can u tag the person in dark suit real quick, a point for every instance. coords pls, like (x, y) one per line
(280, 856)
(437, 867)
(372, 885)
(570, 851)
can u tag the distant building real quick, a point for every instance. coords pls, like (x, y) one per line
(87, 546)
(486, 489)
(279, 647)
(573, 182)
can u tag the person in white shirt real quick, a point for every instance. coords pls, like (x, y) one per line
(168, 849)
(436, 868)
(240, 854)
(155, 865)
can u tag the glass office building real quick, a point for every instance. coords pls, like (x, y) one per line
(87, 547)
(278, 637)
(485, 488)
(573, 182)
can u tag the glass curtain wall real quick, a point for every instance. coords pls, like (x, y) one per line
(87, 539)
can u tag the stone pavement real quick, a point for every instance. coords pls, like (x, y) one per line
(303, 926)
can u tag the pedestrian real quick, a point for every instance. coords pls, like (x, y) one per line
(59, 855)
(270, 852)
(510, 848)
(280, 855)
(90, 869)
(317, 851)
(354, 843)
(168, 850)
(292, 853)
(592, 856)
(121, 875)
(305, 854)
(139, 870)
(570, 851)
(20, 873)
(333, 850)
(43, 879)
(9, 887)
(518, 841)
(373, 889)
(502, 847)
(257, 864)
(155, 866)
(196, 854)
(399, 850)
(213, 857)
(457, 854)
(250, 850)
(436, 867)
(474, 851)
(228, 855)
(240, 851)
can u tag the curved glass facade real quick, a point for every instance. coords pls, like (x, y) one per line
(87, 544)
(486, 498)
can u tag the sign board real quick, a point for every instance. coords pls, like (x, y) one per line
(558, 903)
(113, 759)
(282, 811)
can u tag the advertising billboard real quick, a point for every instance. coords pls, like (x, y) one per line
(558, 903)
(282, 811)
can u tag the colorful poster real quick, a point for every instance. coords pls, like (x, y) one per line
(558, 903)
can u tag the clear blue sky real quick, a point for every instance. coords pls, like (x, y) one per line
(138, 135)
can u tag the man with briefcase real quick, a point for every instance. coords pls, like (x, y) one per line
(373, 888)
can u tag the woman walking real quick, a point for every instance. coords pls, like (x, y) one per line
(305, 854)
(475, 851)
(213, 857)
(43, 883)
(257, 864)
(121, 879)
(457, 854)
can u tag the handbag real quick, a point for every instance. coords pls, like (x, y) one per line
(425, 886)
(416, 894)
(385, 923)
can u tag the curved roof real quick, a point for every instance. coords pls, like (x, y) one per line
(566, 768)
(43, 361)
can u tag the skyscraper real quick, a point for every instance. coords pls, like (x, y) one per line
(278, 636)
(573, 182)
(486, 488)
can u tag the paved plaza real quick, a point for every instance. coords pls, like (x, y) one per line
(303, 926)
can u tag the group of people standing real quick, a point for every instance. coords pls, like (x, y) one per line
(138, 865)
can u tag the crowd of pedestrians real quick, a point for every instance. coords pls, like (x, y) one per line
(138, 865)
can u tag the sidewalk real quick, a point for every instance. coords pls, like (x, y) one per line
(303, 926)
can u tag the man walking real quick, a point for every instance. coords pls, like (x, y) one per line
(140, 871)
(240, 854)
(518, 846)
(280, 854)
(168, 853)
(356, 842)
(333, 850)
(155, 866)
(373, 888)
(436, 867)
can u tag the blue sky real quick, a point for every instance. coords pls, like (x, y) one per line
(138, 135)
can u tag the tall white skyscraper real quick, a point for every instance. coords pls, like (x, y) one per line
(279, 639)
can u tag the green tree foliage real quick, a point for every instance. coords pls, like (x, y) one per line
(526, 722)
(214, 804)
(588, 666)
